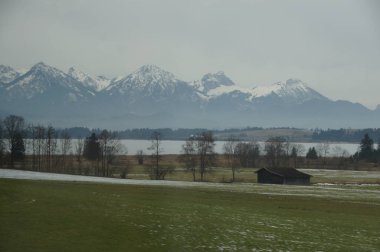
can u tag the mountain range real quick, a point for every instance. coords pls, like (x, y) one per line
(151, 97)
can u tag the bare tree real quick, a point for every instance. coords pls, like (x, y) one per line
(205, 150)
(230, 153)
(39, 147)
(248, 153)
(33, 143)
(14, 130)
(297, 150)
(156, 148)
(189, 156)
(65, 149)
(341, 154)
(50, 147)
(126, 167)
(79, 145)
(109, 147)
(140, 157)
(323, 150)
(275, 150)
(156, 170)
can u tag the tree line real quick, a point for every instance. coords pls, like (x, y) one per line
(345, 135)
(100, 153)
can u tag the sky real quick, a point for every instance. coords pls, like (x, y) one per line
(333, 46)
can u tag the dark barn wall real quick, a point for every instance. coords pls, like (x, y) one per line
(297, 181)
(266, 177)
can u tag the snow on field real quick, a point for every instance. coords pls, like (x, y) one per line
(351, 192)
(342, 173)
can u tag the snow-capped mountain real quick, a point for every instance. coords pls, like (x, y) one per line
(290, 91)
(8, 74)
(148, 78)
(43, 82)
(212, 81)
(153, 97)
(150, 82)
(96, 84)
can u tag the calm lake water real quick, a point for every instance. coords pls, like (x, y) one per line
(175, 147)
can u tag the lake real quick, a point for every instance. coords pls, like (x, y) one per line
(175, 146)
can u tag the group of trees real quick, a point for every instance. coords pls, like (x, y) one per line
(54, 150)
(12, 146)
(344, 135)
(102, 149)
(240, 154)
(367, 150)
(198, 154)
(281, 153)
(156, 170)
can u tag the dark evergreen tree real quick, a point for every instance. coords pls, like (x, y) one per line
(2, 147)
(14, 130)
(91, 149)
(312, 153)
(366, 148)
(17, 147)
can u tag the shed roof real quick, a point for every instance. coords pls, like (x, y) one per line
(286, 172)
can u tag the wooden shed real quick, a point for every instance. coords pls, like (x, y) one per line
(288, 176)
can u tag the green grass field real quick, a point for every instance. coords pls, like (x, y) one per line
(69, 216)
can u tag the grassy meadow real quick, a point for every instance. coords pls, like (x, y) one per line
(78, 216)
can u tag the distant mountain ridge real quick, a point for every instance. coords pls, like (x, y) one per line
(151, 97)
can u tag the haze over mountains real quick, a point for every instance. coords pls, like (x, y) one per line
(151, 97)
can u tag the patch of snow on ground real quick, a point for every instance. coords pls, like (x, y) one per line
(340, 192)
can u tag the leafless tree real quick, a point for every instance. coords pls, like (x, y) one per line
(189, 156)
(109, 147)
(126, 167)
(248, 153)
(231, 154)
(156, 148)
(65, 143)
(79, 145)
(341, 154)
(205, 150)
(50, 147)
(140, 157)
(274, 148)
(323, 150)
(40, 132)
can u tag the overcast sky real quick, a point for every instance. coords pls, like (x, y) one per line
(334, 46)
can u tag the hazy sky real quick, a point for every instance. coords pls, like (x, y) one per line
(334, 46)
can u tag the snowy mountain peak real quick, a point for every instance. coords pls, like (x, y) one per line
(78, 75)
(152, 73)
(295, 82)
(42, 68)
(45, 82)
(148, 80)
(292, 90)
(149, 68)
(8, 74)
(95, 84)
(146, 76)
(213, 80)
